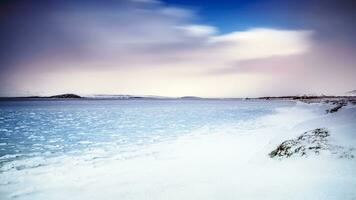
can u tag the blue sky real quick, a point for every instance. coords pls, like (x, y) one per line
(177, 48)
(230, 15)
(233, 15)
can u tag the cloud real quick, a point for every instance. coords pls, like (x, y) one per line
(124, 40)
(263, 42)
(198, 30)
(136, 33)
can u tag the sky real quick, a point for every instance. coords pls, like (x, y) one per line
(225, 48)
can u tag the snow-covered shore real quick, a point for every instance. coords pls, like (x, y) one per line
(231, 162)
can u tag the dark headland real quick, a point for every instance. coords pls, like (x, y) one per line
(60, 96)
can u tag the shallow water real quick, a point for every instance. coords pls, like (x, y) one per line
(32, 128)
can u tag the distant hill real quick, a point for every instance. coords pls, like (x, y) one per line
(60, 96)
(190, 97)
(66, 96)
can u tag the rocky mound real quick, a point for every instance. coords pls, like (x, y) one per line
(310, 143)
(337, 105)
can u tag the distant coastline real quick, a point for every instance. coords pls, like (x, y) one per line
(60, 96)
(70, 96)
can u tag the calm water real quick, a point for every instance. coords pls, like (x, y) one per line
(51, 128)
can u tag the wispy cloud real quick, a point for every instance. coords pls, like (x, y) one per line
(198, 30)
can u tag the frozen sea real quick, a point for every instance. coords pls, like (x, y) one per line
(168, 149)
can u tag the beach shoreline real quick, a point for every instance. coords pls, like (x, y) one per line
(227, 160)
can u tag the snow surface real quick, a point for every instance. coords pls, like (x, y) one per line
(170, 150)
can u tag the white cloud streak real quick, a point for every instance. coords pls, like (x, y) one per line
(198, 30)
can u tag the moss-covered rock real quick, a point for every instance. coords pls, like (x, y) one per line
(310, 143)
